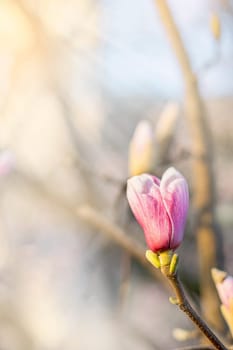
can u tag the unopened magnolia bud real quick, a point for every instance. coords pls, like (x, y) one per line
(224, 285)
(215, 26)
(141, 149)
(160, 207)
(218, 275)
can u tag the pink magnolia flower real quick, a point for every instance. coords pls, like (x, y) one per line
(225, 291)
(224, 285)
(160, 207)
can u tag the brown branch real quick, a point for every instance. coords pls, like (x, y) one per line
(203, 181)
(117, 235)
(94, 219)
(182, 302)
(196, 347)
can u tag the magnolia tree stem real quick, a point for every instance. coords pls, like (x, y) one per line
(203, 176)
(185, 306)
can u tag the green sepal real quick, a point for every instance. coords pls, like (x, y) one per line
(165, 258)
(173, 264)
(153, 258)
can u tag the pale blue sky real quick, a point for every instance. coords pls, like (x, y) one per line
(137, 55)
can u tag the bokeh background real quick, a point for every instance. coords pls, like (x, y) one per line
(76, 78)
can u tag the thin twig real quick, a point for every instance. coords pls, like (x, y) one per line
(110, 230)
(195, 347)
(93, 218)
(182, 302)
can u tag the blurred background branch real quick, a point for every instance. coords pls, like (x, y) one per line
(208, 239)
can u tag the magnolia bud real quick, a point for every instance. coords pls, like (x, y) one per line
(141, 149)
(224, 285)
(215, 26)
(160, 207)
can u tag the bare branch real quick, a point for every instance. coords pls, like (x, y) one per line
(116, 234)
(203, 180)
(96, 220)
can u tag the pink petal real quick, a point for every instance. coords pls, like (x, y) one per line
(136, 187)
(145, 200)
(225, 290)
(143, 183)
(174, 191)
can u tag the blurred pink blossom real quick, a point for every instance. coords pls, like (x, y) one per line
(225, 291)
(7, 162)
(160, 207)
